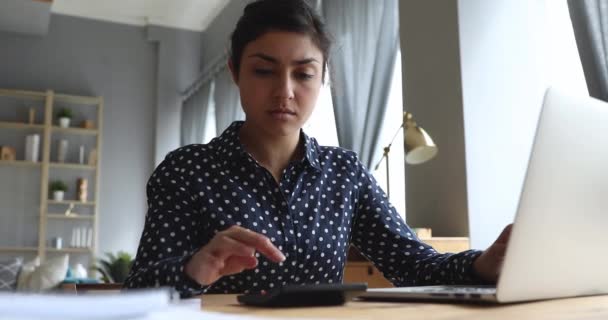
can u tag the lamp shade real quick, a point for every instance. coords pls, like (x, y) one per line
(419, 146)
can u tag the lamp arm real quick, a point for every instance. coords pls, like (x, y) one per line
(387, 149)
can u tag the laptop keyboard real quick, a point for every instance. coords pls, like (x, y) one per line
(455, 289)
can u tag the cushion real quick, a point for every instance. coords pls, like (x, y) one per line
(26, 273)
(37, 277)
(9, 271)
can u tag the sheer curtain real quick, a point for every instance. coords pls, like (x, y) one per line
(227, 101)
(366, 34)
(590, 24)
(194, 114)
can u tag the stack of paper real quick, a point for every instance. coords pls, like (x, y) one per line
(142, 305)
(116, 306)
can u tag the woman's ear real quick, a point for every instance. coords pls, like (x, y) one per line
(235, 77)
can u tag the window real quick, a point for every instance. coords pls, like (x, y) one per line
(210, 125)
(322, 124)
(564, 67)
(392, 120)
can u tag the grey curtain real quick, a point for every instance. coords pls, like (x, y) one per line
(366, 34)
(227, 101)
(590, 24)
(194, 114)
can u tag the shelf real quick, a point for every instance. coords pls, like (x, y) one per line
(70, 217)
(20, 125)
(75, 166)
(70, 250)
(20, 163)
(36, 95)
(74, 202)
(18, 249)
(45, 210)
(81, 131)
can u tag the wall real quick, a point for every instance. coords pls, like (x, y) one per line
(216, 37)
(88, 57)
(474, 76)
(178, 66)
(503, 79)
(436, 191)
(25, 17)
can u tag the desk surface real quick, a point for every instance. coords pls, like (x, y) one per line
(575, 308)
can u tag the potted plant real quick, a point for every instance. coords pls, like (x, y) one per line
(64, 115)
(115, 268)
(58, 189)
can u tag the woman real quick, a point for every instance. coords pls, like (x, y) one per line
(263, 204)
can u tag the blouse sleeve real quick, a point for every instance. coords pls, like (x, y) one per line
(170, 234)
(384, 238)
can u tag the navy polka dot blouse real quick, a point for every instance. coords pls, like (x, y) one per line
(324, 203)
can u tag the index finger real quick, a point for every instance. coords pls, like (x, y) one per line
(258, 241)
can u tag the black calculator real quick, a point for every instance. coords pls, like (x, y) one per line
(292, 295)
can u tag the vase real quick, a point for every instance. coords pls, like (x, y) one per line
(82, 186)
(62, 151)
(58, 195)
(64, 122)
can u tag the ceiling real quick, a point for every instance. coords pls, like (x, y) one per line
(193, 15)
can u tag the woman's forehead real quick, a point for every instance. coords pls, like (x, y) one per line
(284, 47)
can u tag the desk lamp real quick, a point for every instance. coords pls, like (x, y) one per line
(418, 145)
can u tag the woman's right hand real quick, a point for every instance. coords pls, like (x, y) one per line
(229, 252)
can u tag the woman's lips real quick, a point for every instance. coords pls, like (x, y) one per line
(282, 114)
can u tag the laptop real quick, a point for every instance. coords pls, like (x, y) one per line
(559, 238)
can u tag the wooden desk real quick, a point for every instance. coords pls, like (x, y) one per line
(575, 308)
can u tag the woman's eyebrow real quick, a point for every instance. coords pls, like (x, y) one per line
(276, 61)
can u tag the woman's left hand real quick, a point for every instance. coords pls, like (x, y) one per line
(489, 264)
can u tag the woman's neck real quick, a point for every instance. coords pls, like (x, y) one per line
(272, 152)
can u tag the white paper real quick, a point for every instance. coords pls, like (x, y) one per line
(190, 313)
(141, 305)
(127, 305)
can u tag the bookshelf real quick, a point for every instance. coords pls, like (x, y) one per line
(34, 112)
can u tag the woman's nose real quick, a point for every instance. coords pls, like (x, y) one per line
(284, 88)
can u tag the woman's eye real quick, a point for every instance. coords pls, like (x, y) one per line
(304, 76)
(262, 72)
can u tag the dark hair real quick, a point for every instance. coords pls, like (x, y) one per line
(262, 16)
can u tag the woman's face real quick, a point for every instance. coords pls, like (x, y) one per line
(279, 81)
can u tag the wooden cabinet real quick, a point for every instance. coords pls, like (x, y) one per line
(364, 271)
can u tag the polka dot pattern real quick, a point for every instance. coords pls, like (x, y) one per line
(323, 203)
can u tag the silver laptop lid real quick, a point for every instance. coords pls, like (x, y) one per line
(558, 243)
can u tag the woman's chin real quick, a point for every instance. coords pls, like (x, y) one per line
(282, 128)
